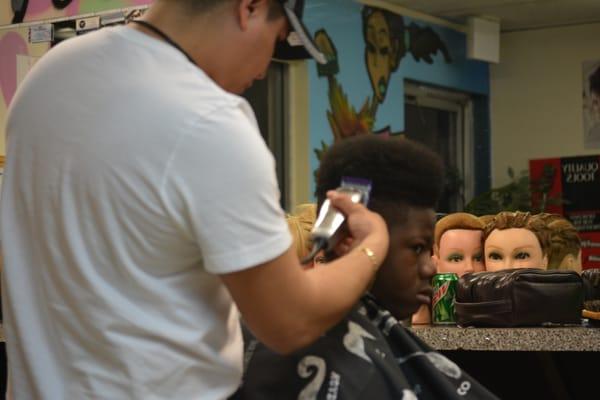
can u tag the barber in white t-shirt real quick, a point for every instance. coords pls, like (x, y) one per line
(140, 207)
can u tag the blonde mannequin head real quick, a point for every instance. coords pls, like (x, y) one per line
(300, 223)
(457, 247)
(565, 245)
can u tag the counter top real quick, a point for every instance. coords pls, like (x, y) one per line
(575, 338)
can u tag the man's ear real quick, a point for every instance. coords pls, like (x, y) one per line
(244, 10)
(247, 9)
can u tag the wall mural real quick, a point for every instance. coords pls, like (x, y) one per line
(387, 40)
(17, 56)
(373, 55)
(17, 11)
(12, 45)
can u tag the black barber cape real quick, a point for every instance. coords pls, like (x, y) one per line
(369, 355)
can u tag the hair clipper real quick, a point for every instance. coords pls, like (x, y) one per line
(328, 230)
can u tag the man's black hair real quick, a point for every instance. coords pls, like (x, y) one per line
(199, 6)
(402, 172)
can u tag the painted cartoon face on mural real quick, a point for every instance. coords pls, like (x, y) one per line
(325, 44)
(387, 40)
(384, 47)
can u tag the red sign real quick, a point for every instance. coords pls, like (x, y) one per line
(576, 182)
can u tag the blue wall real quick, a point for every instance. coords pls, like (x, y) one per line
(342, 21)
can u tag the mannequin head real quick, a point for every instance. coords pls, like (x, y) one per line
(547, 217)
(457, 248)
(457, 245)
(300, 223)
(515, 240)
(565, 245)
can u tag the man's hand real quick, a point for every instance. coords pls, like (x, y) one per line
(288, 307)
(365, 227)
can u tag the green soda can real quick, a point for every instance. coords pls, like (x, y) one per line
(442, 302)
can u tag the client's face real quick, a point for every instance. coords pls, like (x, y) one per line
(403, 282)
(460, 252)
(513, 248)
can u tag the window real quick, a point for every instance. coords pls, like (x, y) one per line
(442, 120)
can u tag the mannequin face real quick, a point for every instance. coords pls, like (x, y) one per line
(513, 248)
(460, 251)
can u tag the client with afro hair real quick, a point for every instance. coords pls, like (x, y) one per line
(370, 354)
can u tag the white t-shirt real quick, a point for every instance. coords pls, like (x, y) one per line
(132, 181)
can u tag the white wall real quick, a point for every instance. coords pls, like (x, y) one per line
(536, 96)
